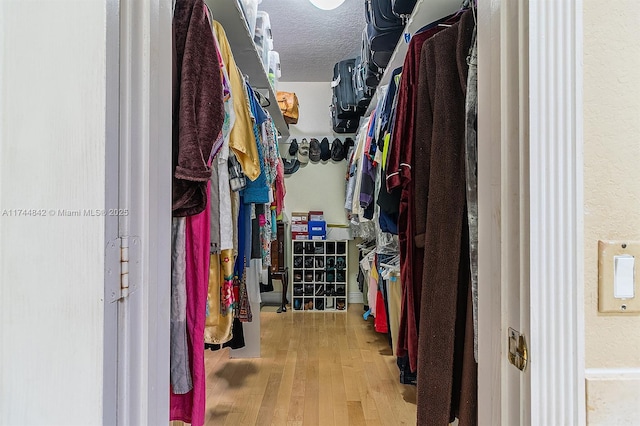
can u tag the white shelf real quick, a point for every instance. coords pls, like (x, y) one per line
(425, 12)
(229, 14)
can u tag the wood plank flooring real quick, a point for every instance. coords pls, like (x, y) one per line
(316, 369)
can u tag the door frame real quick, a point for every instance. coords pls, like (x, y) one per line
(550, 211)
(138, 168)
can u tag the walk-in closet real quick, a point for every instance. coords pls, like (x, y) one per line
(318, 212)
(324, 223)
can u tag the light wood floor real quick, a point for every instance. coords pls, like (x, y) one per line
(316, 369)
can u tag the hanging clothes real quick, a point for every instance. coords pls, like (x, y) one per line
(241, 140)
(180, 372)
(447, 373)
(198, 110)
(399, 175)
(190, 407)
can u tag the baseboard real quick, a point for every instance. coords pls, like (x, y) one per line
(612, 395)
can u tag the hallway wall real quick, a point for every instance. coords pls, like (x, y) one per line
(612, 201)
(52, 163)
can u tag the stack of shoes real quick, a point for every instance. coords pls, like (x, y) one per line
(308, 277)
(308, 305)
(340, 305)
(297, 277)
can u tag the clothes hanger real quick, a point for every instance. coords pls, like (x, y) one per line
(464, 6)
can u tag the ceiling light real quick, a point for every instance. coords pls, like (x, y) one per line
(326, 4)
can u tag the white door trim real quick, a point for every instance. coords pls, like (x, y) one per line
(551, 212)
(143, 191)
(556, 184)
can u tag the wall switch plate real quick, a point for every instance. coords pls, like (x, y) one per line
(618, 277)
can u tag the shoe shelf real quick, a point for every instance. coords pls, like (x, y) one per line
(320, 275)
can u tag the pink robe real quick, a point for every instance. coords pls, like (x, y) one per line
(190, 407)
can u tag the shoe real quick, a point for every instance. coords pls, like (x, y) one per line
(320, 304)
(331, 263)
(297, 276)
(340, 306)
(308, 305)
(341, 262)
(298, 248)
(330, 291)
(330, 277)
(308, 289)
(319, 291)
(340, 291)
(319, 262)
(297, 262)
(340, 277)
(308, 262)
(329, 302)
(297, 291)
(308, 277)
(297, 304)
(319, 277)
(309, 248)
(319, 248)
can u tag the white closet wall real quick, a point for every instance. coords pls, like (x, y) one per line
(322, 185)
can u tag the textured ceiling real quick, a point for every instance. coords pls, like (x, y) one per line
(309, 40)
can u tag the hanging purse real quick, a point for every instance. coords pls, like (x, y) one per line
(288, 103)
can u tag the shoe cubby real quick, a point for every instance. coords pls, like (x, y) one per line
(320, 275)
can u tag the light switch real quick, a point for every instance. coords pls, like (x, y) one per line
(617, 269)
(623, 279)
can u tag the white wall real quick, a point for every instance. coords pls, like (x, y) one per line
(612, 201)
(52, 155)
(321, 185)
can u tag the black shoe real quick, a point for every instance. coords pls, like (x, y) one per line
(319, 291)
(319, 262)
(297, 262)
(297, 291)
(308, 262)
(309, 248)
(298, 248)
(331, 263)
(320, 304)
(340, 291)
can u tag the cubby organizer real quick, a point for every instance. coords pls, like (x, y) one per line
(320, 275)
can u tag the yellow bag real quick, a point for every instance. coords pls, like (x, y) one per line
(288, 103)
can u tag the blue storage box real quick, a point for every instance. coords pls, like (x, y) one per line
(317, 228)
